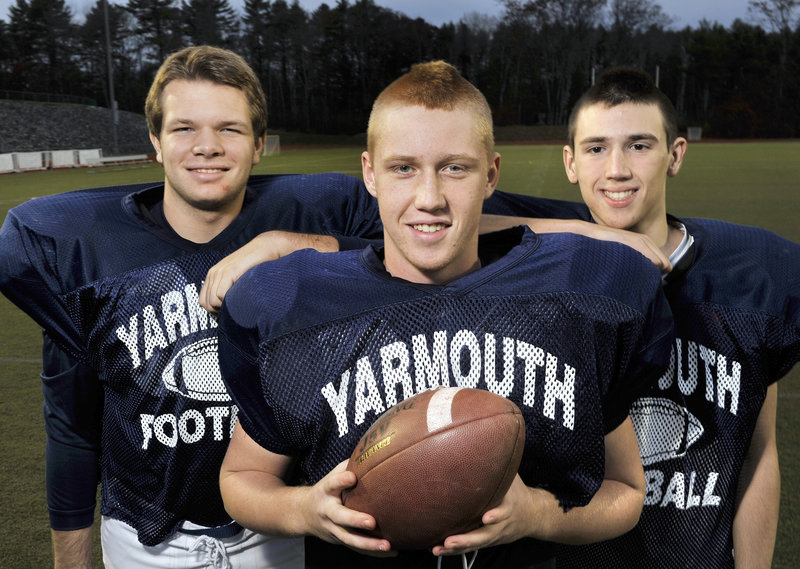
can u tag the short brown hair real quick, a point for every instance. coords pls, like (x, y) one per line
(207, 63)
(621, 85)
(433, 85)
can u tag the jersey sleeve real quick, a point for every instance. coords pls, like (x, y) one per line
(72, 415)
(239, 365)
(783, 334)
(29, 277)
(519, 205)
(652, 343)
(328, 203)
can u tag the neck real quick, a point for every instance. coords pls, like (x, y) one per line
(674, 238)
(195, 224)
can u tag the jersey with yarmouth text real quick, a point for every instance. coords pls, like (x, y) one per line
(315, 347)
(119, 292)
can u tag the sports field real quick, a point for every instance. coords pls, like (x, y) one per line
(750, 183)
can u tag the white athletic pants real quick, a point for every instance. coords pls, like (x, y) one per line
(247, 550)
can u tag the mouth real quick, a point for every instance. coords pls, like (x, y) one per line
(618, 196)
(429, 227)
(208, 170)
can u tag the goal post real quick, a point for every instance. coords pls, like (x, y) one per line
(272, 146)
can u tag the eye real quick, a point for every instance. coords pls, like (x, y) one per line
(594, 150)
(402, 169)
(639, 146)
(455, 169)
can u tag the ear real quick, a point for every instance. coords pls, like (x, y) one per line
(677, 152)
(493, 176)
(368, 173)
(157, 145)
(569, 164)
(260, 141)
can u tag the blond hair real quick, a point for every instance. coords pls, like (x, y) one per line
(433, 85)
(207, 63)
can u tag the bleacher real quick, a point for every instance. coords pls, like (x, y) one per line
(81, 158)
(38, 136)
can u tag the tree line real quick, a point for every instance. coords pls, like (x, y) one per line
(321, 70)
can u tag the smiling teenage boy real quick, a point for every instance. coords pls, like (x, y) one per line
(133, 395)
(707, 429)
(315, 347)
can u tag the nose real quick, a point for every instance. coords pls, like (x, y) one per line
(207, 143)
(617, 165)
(429, 193)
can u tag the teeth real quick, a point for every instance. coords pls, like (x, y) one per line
(425, 228)
(618, 196)
(208, 170)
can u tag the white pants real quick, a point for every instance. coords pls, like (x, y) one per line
(247, 550)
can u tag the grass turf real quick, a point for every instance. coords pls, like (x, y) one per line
(754, 183)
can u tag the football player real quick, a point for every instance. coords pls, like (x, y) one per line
(133, 394)
(706, 430)
(314, 347)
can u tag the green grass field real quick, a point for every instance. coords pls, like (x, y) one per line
(750, 183)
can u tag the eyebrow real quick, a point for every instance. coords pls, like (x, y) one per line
(630, 138)
(446, 158)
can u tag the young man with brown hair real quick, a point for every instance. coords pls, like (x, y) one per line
(133, 395)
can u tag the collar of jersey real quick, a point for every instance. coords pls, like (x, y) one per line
(513, 245)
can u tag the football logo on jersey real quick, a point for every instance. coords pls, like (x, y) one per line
(664, 429)
(194, 372)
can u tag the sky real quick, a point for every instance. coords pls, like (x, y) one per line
(683, 12)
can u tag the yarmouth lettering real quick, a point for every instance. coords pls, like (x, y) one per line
(694, 366)
(403, 369)
(177, 315)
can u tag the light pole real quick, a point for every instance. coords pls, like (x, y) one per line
(115, 116)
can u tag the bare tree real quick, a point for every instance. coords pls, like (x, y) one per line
(780, 15)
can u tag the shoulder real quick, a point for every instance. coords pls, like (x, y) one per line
(306, 186)
(574, 264)
(505, 203)
(747, 266)
(294, 291)
(722, 238)
(73, 212)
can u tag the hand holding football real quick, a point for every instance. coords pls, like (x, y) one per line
(432, 465)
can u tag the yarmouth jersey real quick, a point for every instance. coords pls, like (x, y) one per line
(119, 292)
(314, 347)
(737, 318)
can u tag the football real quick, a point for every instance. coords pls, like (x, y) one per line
(432, 465)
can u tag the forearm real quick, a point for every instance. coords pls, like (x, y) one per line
(72, 549)
(616, 506)
(638, 241)
(755, 524)
(263, 504)
(613, 511)
(491, 223)
(322, 243)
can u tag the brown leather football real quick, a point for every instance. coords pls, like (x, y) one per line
(432, 465)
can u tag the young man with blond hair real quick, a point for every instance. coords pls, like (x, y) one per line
(313, 348)
(133, 395)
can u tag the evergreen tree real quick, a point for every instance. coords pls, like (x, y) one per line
(210, 22)
(43, 36)
(157, 25)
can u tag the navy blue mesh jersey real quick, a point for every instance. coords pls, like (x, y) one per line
(119, 292)
(314, 347)
(737, 318)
